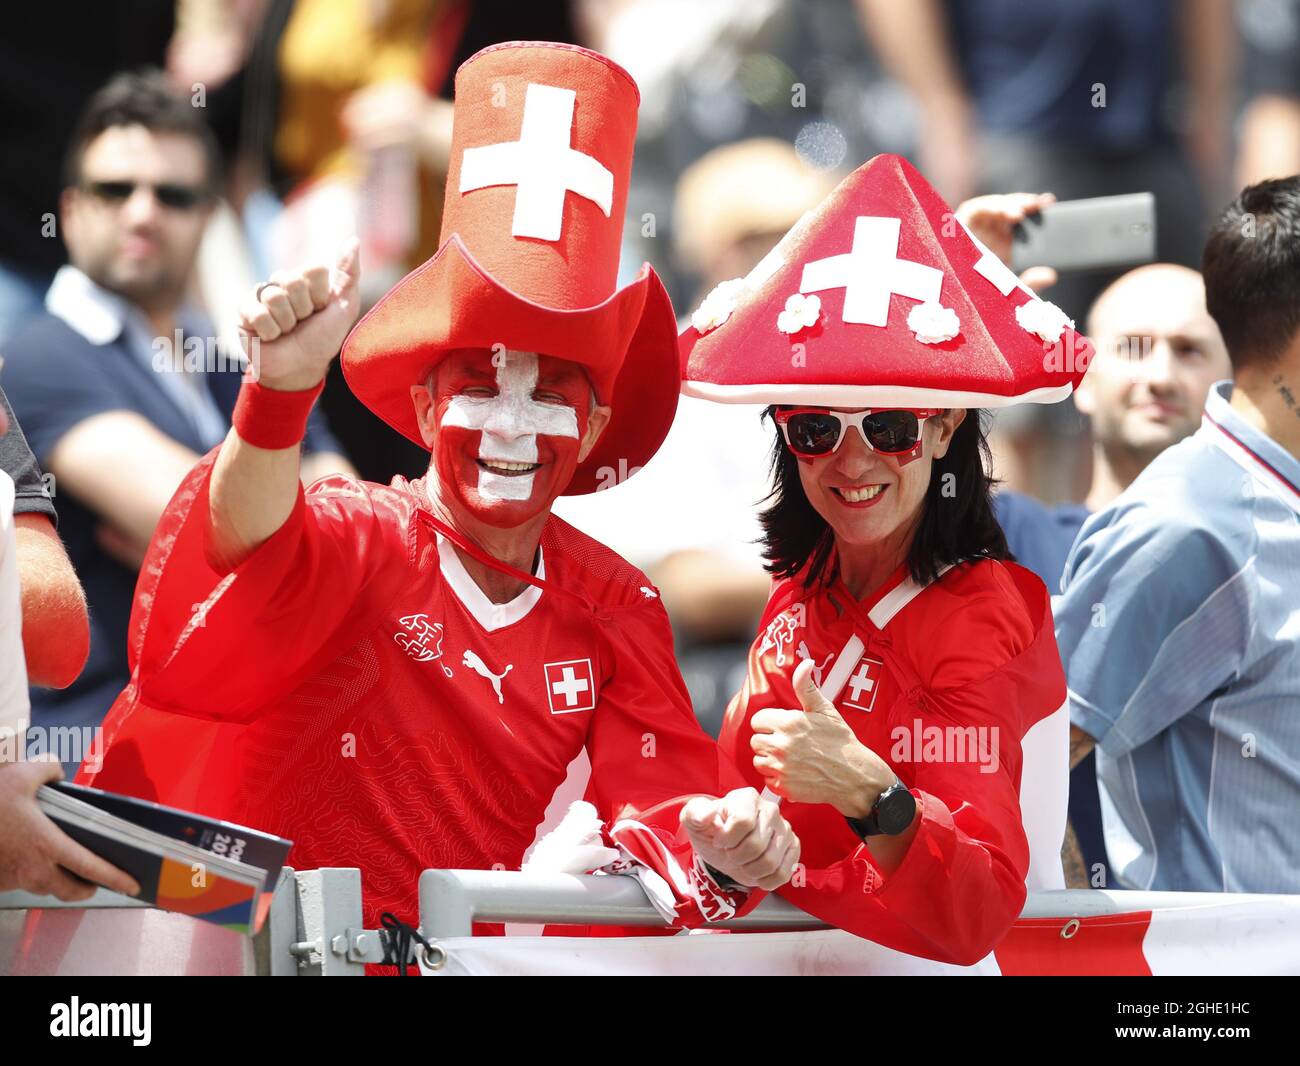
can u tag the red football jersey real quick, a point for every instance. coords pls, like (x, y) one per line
(943, 682)
(351, 688)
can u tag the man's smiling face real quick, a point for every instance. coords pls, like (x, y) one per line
(507, 430)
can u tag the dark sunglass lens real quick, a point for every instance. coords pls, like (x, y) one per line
(115, 191)
(178, 196)
(892, 431)
(813, 434)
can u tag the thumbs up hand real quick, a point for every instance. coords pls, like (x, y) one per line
(811, 755)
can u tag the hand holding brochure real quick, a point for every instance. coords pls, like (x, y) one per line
(209, 869)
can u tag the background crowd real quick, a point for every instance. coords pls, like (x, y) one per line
(170, 153)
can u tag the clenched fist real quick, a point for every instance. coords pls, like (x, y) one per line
(744, 837)
(295, 323)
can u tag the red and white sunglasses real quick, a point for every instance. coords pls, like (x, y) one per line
(813, 432)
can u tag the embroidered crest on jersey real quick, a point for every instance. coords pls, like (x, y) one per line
(779, 633)
(862, 685)
(570, 686)
(422, 640)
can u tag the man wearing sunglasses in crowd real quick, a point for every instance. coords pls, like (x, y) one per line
(119, 384)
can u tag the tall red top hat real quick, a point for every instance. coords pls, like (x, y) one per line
(541, 157)
(881, 297)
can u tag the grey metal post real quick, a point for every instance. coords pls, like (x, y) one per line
(271, 954)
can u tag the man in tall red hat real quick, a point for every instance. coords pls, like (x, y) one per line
(398, 678)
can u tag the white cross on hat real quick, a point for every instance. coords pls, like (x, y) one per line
(541, 164)
(870, 272)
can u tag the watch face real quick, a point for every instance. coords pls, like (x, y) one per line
(895, 811)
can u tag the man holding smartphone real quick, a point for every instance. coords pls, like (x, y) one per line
(1158, 353)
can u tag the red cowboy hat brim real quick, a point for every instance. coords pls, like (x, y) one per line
(452, 302)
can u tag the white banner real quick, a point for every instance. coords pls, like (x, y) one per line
(1222, 939)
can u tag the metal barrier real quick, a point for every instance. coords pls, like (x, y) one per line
(452, 900)
(315, 925)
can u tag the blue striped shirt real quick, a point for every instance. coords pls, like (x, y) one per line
(1179, 625)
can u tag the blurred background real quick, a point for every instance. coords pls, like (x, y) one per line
(334, 117)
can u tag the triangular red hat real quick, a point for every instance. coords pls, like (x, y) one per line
(880, 297)
(541, 158)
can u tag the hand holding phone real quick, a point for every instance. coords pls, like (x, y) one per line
(1101, 233)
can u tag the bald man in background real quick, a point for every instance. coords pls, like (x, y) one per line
(1158, 353)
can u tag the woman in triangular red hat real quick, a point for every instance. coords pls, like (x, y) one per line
(398, 677)
(904, 695)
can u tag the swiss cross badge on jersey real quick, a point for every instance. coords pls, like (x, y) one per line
(862, 685)
(570, 686)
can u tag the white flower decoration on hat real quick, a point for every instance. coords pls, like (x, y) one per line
(716, 308)
(1043, 318)
(933, 323)
(800, 312)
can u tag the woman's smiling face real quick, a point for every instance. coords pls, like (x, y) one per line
(869, 499)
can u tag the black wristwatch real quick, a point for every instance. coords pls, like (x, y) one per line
(893, 812)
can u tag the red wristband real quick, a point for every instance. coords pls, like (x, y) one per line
(271, 419)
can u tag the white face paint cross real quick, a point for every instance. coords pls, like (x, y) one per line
(870, 272)
(542, 166)
(510, 422)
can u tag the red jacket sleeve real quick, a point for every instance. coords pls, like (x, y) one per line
(961, 883)
(649, 755)
(220, 645)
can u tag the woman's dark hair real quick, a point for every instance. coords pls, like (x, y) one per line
(957, 520)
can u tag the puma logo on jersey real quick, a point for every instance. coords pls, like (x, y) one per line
(473, 662)
(803, 653)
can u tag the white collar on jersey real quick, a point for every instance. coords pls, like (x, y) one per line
(881, 614)
(491, 616)
(899, 597)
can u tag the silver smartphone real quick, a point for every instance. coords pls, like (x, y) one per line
(1101, 233)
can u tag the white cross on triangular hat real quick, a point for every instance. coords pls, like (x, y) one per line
(880, 297)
